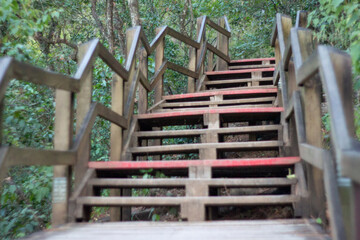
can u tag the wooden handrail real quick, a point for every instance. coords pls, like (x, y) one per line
(334, 68)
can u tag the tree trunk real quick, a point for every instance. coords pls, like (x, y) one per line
(110, 24)
(134, 12)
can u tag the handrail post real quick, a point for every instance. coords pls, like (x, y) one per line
(199, 22)
(159, 59)
(192, 67)
(83, 99)
(62, 141)
(223, 46)
(116, 134)
(143, 94)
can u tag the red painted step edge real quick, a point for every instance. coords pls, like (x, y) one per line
(240, 71)
(205, 111)
(248, 162)
(228, 92)
(251, 60)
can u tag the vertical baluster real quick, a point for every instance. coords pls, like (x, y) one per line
(143, 94)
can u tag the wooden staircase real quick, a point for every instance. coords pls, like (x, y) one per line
(231, 138)
(244, 126)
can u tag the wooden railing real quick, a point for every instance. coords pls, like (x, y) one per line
(76, 154)
(306, 71)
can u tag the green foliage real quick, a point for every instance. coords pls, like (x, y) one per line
(337, 22)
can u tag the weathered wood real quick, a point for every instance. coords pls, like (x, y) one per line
(183, 182)
(159, 60)
(223, 46)
(83, 106)
(222, 92)
(198, 132)
(62, 141)
(218, 52)
(182, 38)
(182, 70)
(222, 102)
(301, 19)
(255, 81)
(116, 134)
(206, 111)
(212, 106)
(13, 156)
(223, 163)
(314, 155)
(232, 72)
(192, 66)
(250, 66)
(143, 94)
(221, 28)
(184, 148)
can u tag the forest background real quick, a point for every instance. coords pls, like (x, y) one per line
(46, 33)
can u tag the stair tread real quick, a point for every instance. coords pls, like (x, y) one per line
(290, 229)
(195, 146)
(235, 67)
(175, 201)
(182, 182)
(247, 91)
(251, 60)
(181, 109)
(234, 81)
(208, 111)
(244, 162)
(196, 132)
(233, 72)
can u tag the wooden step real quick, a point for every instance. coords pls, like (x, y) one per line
(252, 63)
(147, 121)
(247, 92)
(237, 81)
(210, 111)
(222, 102)
(177, 201)
(256, 73)
(177, 164)
(182, 182)
(198, 132)
(193, 148)
(239, 88)
(289, 229)
(236, 72)
(237, 67)
(250, 60)
(259, 105)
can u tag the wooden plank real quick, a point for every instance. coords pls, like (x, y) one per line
(308, 69)
(218, 27)
(223, 46)
(62, 141)
(314, 155)
(252, 60)
(41, 157)
(171, 32)
(183, 182)
(184, 148)
(222, 92)
(223, 102)
(218, 52)
(256, 105)
(182, 70)
(29, 73)
(250, 66)
(160, 35)
(172, 201)
(116, 134)
(234, 81)
(292, 229)
(221, 163)
(240, 71)
(111, 61)
(132, 42)
(333, 197)
(198, 132)
(143, 94)
(201, 112)
(159, 60)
